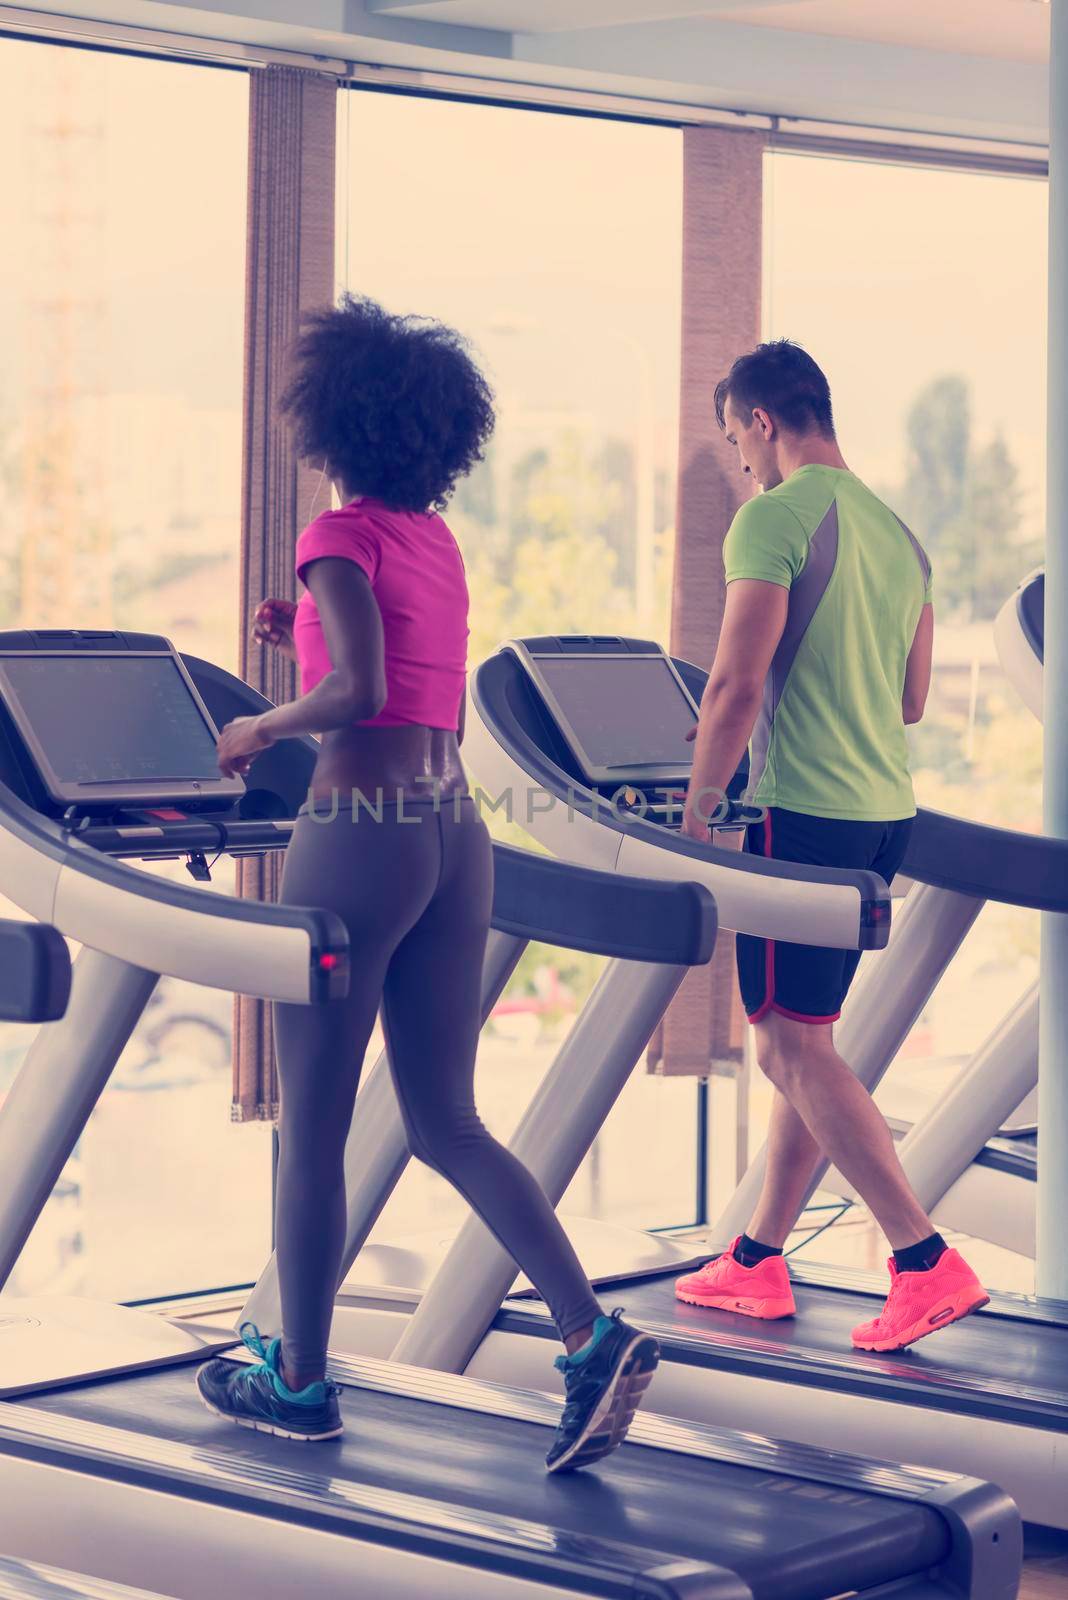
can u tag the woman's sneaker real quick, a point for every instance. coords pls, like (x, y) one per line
(604, 1383)
(725, 1285)
(256, 1397)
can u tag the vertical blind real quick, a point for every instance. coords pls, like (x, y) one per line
(703, 1029)
(292, 136)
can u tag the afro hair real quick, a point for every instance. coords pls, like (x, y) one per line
(395, 405)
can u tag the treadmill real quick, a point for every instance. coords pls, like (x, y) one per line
(988, 1397)
(108, 1465)
(35, 987)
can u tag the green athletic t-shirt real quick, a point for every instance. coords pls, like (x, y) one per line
(830, 738)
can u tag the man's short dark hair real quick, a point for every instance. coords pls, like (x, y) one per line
(783, 380)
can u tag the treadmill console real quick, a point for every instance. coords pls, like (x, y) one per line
(111, 727)
(619, 711)
(115, 734)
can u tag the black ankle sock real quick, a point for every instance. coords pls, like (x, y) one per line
(750, 1252)
(921, 1257)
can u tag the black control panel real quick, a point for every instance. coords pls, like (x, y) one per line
(125, 710)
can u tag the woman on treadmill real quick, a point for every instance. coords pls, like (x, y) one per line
(395, 411)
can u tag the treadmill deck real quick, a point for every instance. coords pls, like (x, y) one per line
(1005, 1363)
(782, 1534)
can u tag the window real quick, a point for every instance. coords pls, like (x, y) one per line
(121, 313)
(922, 294)
(554, 243)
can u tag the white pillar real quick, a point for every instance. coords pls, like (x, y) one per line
(1051, 1260)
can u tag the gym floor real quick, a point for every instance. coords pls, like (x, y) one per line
(1045, 1565)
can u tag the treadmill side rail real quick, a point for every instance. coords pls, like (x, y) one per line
(987, 1534)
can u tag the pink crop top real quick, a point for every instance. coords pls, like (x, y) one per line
(416, 571)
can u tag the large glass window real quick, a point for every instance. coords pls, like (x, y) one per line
(554, 243)
(122, 207)
(922, 294)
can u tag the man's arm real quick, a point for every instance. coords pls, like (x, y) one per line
(918, 667)
(753, 621)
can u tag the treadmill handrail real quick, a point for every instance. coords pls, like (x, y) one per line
(1002, 864)
(607, 913)
(535, 897)
(35, 972)
(82, 878)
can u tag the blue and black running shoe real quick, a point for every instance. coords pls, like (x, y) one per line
(604, 1382)
(256, 1397)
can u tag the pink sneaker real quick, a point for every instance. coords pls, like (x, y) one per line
(760, 1291)
(920, 1303)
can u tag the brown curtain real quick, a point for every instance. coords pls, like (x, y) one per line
(703, 1030)
(290, 268)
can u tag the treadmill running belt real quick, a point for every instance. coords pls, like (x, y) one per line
(1011, 1368)
(786, 1537)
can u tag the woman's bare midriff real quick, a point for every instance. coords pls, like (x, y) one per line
(412, 762)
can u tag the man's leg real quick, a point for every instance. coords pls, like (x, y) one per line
(793, 993)
(840, 1118)
(792, 1153)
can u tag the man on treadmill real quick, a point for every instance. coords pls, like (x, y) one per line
(824, 655)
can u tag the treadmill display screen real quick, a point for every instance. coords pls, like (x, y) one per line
(113, 725)
(624, 712)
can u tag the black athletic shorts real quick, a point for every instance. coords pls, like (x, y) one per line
(804, 981)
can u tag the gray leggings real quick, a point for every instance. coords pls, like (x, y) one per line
(415, 896)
